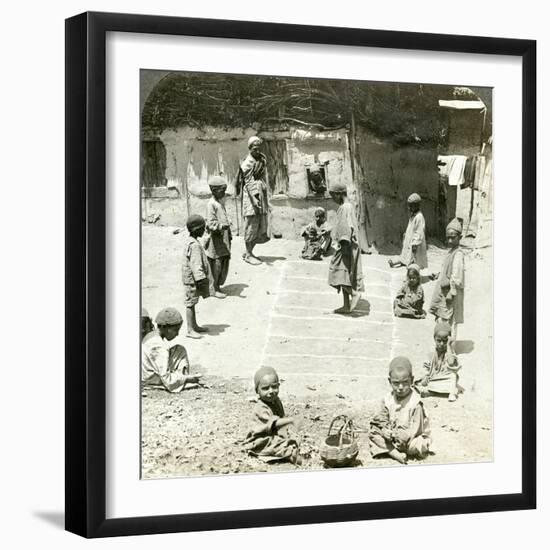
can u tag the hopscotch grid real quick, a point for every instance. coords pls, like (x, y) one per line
(343, 319)
(356, 310)
(324, 356)
(362, 340)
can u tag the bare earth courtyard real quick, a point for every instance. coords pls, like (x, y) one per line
(280, 314)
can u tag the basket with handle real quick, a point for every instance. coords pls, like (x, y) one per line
(340, 446)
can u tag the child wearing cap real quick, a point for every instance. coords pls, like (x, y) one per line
(163, 365)
(317, 238)
(268, 436)
(400, 429)
(218, 244)
(409, 301)
(414, 250)
(441, 369)
(345, 271)
(448, 295)
(196, 276)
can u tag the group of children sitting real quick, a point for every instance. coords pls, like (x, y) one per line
(400, 429)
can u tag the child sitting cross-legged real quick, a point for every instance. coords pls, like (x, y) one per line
(409, 301)
(441, 376)
(401, 428)
(268, 437)
(317, 238)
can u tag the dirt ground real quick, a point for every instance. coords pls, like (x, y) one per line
(280, 314)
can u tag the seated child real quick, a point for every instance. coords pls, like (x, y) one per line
(218, 247)
(268, 436)
(442, 368)
(196, 275)
(317, 238)
(163, 365)
(414, 249)
(146, 323)
(401, 428)
(410, 298)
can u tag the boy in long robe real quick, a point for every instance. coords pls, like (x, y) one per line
(163, 365)
(448, 296)
(317, 237)
(414, 250)
(401, 428)
(268, 436)
(255, 203)
(345, 271)
(218, 246)
(441, 370)
(409, 301)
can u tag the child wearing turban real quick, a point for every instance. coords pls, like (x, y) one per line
(414, 250)
(345, 271)
(196, 275)
(268, 436)
(400, 429)
(441, 369)
(448, 295)
(317, 238)
(164, 365)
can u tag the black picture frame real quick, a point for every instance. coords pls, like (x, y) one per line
(86, 274)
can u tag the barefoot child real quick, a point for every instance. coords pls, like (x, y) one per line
(163, 365)
(345, 271)
(448, 296)
(441, 376)
(317, 239)
(409, 301)
(218, 249)
(414, 249)
(268, 437)
(401, 428)
(195, 274)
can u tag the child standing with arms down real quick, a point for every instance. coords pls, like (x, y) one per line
(195, 274)
(414, 249)
(409, 301)
(317, 238)
(345, 270)
(448, 296)
(441, 376)
(401, 428)
(268, 436)
(218, 248)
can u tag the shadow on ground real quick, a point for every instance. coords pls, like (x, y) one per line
(57, 519)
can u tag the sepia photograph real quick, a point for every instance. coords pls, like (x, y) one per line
(316, 274)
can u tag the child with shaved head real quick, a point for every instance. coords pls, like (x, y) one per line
(400, 429)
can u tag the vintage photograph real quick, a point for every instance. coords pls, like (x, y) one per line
(316, 274)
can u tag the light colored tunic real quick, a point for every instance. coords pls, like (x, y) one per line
(408, 424)
(218, 243)
(317, 240)
(409, 302)
(162, 365)
(254, 178)
(450, 284)
(440, 377)
(196, 275)
(264, 439)
(345, 270)
(415, 235)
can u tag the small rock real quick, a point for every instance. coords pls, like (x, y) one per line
(340, 396)
(312, 388)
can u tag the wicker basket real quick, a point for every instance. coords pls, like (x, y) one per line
(340, 446)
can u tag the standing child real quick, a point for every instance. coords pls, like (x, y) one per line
(268, 436)
(442, 368)
(163, 365)
(317, 239)
(414, 249)
(218, 248)
(195, 274)
(409, 301)
(345, 271)
(448, 297)
(401, 428)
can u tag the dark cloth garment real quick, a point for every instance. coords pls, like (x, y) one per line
(196, 276)
(218, 243)
(345, 270)
(256, 229)
(448, 295)
(401, 425)
(264, 439)
(409, 302)
(219, 268)
(317, 241)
